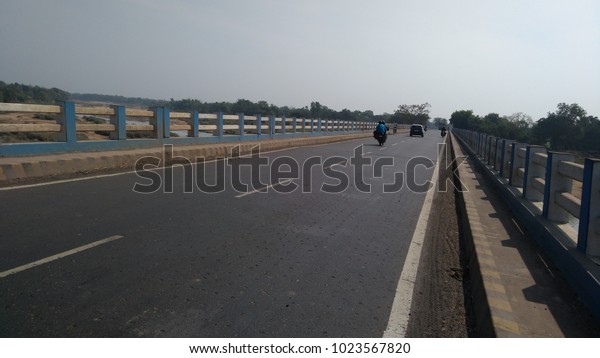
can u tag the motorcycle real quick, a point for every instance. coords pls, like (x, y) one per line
(381, 138)
(443, 133)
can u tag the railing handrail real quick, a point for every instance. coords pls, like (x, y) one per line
(547, 176)
(219, 127)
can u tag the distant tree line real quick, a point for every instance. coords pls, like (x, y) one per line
(568, 128)
(19, 93)
(117, 100)
(315, 110)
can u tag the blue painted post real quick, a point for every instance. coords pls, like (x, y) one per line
(259, 125)
(68, 129)
(220, 130)
(303, 125)
(283, 120)
(119, 120)
(319, 125)
(194, 132)
(503, 158)
(241, 124)
(271, 127)
(167, 122)
(556, 184)
(588, 239)
(312, 124)
(295, 124)
(158, 123)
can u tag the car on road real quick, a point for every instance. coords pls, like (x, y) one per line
(417, 129)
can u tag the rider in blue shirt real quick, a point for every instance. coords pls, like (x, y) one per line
(381, 128)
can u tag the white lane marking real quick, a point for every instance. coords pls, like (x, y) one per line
(394, 144)
(283, 182)
(398, 321)
(117, 174)
(382, 148)
(59, 256)
(65, 181)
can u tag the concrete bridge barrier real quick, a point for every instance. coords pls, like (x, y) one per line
(557, 199)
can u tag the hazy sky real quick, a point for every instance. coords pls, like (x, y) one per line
(501, 56)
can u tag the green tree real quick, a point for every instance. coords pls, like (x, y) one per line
(462, 119)
(412, 113)
(561, 130)
(439, 122)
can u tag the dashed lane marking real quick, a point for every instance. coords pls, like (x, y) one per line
(59, 256)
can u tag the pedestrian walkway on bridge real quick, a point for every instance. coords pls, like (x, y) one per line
(517, 291)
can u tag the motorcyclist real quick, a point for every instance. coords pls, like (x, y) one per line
(443, 131)
(381, 128)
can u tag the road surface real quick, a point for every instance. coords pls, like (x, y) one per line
(95, 258)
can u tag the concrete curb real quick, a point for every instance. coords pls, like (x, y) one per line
(493, 312)
(22, 170)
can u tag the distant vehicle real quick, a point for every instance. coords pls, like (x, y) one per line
(417, 129)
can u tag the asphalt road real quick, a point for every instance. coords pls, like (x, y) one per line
(234, 263)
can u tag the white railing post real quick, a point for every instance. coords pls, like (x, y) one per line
(556, 184)
(488, 153)
(481, 144)
(532, 171)
(516, 162)
(588, 239)
(241, 127)
(505, 161)
(497, 153)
